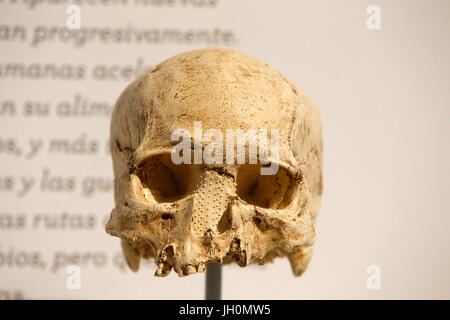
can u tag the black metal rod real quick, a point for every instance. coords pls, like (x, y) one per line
(213, 281)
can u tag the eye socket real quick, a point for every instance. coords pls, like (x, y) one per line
(266, 191)
(166, 181)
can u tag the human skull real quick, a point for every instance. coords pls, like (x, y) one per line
(188, 215)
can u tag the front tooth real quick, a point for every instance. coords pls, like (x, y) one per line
(201, 267)
(163, 270)
(159, 270)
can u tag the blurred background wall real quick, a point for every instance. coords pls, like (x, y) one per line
(379, 75)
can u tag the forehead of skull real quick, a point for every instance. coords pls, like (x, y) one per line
(222, 88)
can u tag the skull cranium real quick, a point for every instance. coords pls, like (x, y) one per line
(188, 215)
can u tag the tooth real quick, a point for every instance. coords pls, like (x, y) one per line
(163, 269)
(300, 259)
(132, 257)
(159, 270)
(201, 267)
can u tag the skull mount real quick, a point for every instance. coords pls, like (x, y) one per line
(188, 215)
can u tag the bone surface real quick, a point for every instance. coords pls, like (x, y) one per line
(185, 216)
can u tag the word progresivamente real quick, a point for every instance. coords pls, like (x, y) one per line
(131, 34)
(153, 3)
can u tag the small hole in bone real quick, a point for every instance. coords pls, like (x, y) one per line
(166, 216)
(266, 191)
(165, 181)
(260, 224)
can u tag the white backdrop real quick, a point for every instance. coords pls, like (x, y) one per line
(384, 99)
